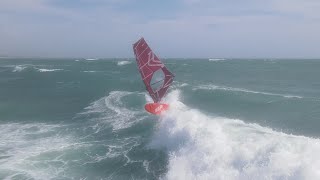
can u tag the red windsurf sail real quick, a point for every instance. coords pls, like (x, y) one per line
(155, 75)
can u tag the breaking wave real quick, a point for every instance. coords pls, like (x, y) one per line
(49, 70)
(20, 68)
(92, 59)
(121, 63)
(30, 67)
(89, 71)
(217, 59)
(225, 88)
(205, 147)
(178, 85)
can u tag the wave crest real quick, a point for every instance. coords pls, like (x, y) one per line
(225, 88)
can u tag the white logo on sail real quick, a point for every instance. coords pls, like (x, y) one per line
(152, 61)
(158, 108)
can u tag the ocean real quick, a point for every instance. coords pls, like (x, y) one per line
(228, 119)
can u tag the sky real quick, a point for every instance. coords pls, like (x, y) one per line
(173, 28)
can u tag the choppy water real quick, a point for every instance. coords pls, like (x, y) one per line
(229, 119)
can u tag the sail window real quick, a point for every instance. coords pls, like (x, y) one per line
(157, 80)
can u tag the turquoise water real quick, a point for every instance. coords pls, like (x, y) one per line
(229, 119)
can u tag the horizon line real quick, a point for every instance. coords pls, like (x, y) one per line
(129, 58)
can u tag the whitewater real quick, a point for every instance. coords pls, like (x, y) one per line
(207, 147)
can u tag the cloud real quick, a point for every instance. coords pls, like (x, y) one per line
(304, 8)
(38, 28)
(198, 27)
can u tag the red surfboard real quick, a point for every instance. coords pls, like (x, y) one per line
(156, 108)
(156, 77)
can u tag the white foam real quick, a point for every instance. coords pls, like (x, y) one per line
(292, 96)
(225, 88)
(18, 68)
(121, 63)
(92, 59)
(124, 117)
(22, 67)
(115, 148)
(204, 147)
(90, 71)
(49, 70)
(177, 85)
(32, 150)
(216, 59)
(112, 110)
